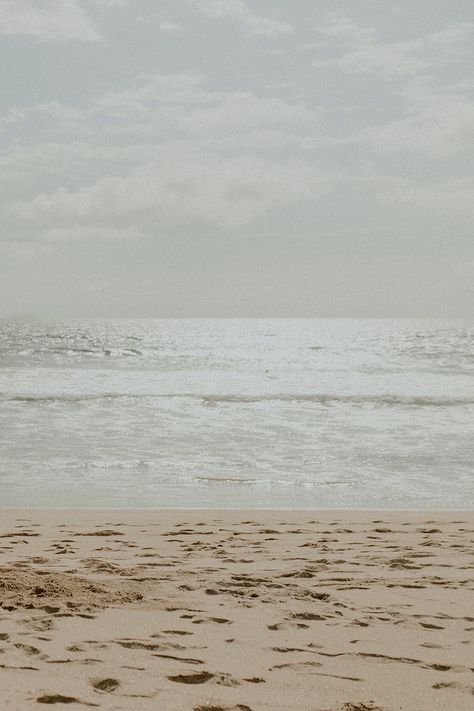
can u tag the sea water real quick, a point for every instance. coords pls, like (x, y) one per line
(275, 413)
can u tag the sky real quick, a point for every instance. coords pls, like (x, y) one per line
(236, 158)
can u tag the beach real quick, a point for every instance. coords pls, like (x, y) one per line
(236, 356)
(234, 610)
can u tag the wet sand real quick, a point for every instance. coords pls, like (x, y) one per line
(233, 610)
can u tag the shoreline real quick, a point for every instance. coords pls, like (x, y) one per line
(135, 510)
(231, 610)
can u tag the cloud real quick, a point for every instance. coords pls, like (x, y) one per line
(242, 111)
(51, 109)
(170, 27)
(113, 3)
(435, 202)
(184, 108)
(162, 109)
(238, 10)
(249, 167)
(211, 157)
(442, 128)
(168, 153)
(158, 89)
(175, 193)
(155, 20)
(47, 20)
(364, 53)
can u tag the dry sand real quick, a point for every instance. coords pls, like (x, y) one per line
(212, 611)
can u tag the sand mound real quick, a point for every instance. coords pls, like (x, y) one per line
(36, 589)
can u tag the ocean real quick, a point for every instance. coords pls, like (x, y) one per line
(270, 413)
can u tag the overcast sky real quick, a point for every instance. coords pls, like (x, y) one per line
(236, 158)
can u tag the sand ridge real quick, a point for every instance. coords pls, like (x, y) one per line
(237, 611)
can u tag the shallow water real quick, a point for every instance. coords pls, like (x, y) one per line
(237, 413)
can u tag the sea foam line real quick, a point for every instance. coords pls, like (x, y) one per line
(217, 399)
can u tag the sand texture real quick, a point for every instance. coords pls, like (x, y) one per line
(231, 611)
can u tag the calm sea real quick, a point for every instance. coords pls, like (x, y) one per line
(237, 413)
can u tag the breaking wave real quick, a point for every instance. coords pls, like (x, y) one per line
(382, 400)
(268, 481)
(323, 399)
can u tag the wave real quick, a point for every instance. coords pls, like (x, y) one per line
(323, 399)
(227, 480)
(382, 400)
(239, 481)
(46, 398)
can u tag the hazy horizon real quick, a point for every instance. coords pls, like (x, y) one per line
(38, 318)
(236, 159)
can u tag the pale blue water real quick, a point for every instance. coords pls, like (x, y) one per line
(237, 413)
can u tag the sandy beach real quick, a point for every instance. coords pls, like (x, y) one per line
(232, 610)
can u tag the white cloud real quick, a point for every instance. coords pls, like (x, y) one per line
(51, 109)
(46, 20)
(167, 108)
(175, 193)
(160, 89)
(453, 39)
(242, 111)
(167, 120)
(170, 27)
(450, 199)
(443, 128)
(169, 153)
(113, 3)
(203, 160)
(364, 53)
(256, 165)
(238, 10)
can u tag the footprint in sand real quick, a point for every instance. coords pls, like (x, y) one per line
(296, 665)
(203, 620)
(222, 679)
(200, 678)
(455, 685)
(312, 616)
(29, 650)
(285, 650)
(60, 699)
(106, 685)
(212, 707)
(287, 625)
(184, 660)
(105, 532)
